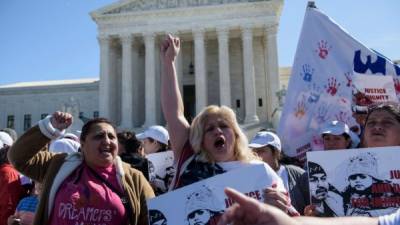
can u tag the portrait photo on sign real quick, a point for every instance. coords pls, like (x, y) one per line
(204, 202)
(356, 182)
(161, 170)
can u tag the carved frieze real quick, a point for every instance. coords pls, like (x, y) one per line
(143, 5)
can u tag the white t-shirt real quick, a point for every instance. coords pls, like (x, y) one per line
(392, 219)
(282, 173)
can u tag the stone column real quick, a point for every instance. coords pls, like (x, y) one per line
(104, 86)
(248, 76)
(127, 82)
(224, 73)
(136, 84)
(150, 81)
(272, 69)
(200, 70)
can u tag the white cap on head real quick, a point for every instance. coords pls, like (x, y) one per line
(264, 138)
(5, 139)
(339, 128)
(157, 133)
(336, 128)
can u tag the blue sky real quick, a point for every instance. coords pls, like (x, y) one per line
(56, 39)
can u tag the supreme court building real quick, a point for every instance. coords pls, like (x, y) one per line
(228, 57)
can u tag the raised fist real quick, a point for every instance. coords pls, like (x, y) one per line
(170, 47)
(61, 120)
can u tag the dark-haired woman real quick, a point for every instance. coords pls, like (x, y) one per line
(91, 187)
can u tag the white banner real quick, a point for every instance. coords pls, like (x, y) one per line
(356, 182)
(320, 87)
(205, 201)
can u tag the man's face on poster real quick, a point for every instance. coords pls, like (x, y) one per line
(360, 182)
(199, 217)
(319, 186)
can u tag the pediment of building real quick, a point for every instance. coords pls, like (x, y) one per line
(127, 6)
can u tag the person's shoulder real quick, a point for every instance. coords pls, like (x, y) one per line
(7, 168)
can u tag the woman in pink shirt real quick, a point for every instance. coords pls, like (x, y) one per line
(89, 187)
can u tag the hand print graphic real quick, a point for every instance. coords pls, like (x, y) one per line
(323, 49)
(315, 94)
(307, 73)
(332, 86)
(349, 79)
(322, 114)
(301, 108)
(343, 117)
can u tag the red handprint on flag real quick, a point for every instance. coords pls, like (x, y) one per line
(323, 49)
(332, 86)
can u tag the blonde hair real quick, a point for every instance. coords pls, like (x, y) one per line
(241, 150)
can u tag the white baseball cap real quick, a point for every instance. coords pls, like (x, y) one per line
(335, 127)
(339, 128)
(5, 139)
(157, 133)
(264, 138)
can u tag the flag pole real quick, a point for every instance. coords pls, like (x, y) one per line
(311, 4)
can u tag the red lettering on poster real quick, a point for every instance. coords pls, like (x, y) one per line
(252, 194)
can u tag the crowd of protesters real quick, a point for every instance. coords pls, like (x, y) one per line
(104, 176)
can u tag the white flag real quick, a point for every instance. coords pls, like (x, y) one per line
(326, 60)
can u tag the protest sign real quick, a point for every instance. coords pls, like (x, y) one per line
(205, 201)
(356, 182)
(326, 63)
(161, 170)
(369, 89)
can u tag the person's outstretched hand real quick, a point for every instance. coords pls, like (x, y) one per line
(248, 211)
(170, 48)
(61, 120)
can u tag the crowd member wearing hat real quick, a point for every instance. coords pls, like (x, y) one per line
(155, 139)
(11, 190)
(89, 182)
(362, 175)
(267, 146)
(382, 125)
(337, 135)
(13, 134)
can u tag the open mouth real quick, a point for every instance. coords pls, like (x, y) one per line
(105, 151)
(219, 142)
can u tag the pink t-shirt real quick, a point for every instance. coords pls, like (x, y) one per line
(85, 200)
